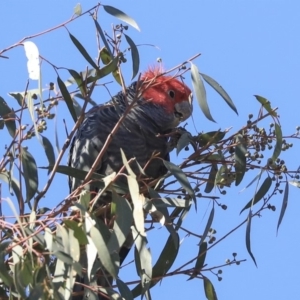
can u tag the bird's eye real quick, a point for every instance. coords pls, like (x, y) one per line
(171, 94)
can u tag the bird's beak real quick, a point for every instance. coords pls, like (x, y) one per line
(184, 109)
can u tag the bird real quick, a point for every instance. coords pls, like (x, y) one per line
(152, 107)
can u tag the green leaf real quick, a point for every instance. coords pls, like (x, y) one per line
(104, 71)
(8, 116)
(16, 276)
(266, 104)
(104, 40)
(134, 55)
(123, 218)
(201, 256)
(77, 9)
(83, 51)
(56, 134)
(284, 204)
(117, 76)
(163, 264)
(260, 193)
(240, 159)
(137, 200)
(24, 274)
(64, 257)
(49, 151)
(143, 260)
(4, 274)
(67, 97)
(210, 138)
(248, 233)
(13, 183)
(164, 210)
(208, 224)
(30, 174)
(49, 239)
(121, 15)
(181, 177)
(200, 92)
(200, 260)
(209, 289)
(171, 202)
(30, 104)
(183, 141)
(211, 178)
(105, 56)
(278, 146)
(76, 77)
(78, 231)
(124, 290)
(77, 173)
(223, 176)
(103, 252)
(18, 97)
(126, 164)
(218, 88)
(74, 249)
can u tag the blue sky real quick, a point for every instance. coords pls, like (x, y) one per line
(249, 47)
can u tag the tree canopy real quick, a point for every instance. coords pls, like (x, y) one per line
(42, 236)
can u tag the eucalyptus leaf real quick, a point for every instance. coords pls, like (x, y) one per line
(49, 151)
(30, 174)
(278, 146)
(8, 116)
(284, 205)
(67, 97)
(200, 92)
(200, 260)
(183, 141)
(83, 51)
(266, 104)
(19, 97)
(218, 88)
(209, 289)
(208, 225)
(101, 33)
(181, 177)
(134, 55)
(103, 252)
(124, 290)
(163, 264)
(248, 235)
(210, 138)
(211, 178)
(260, 193)
(123, 218)
(121, 15)
(145, 259)
(240, 159)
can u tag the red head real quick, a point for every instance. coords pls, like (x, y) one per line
(164, 90)
(172, 94)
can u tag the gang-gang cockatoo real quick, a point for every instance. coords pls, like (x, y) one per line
(161, 103)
